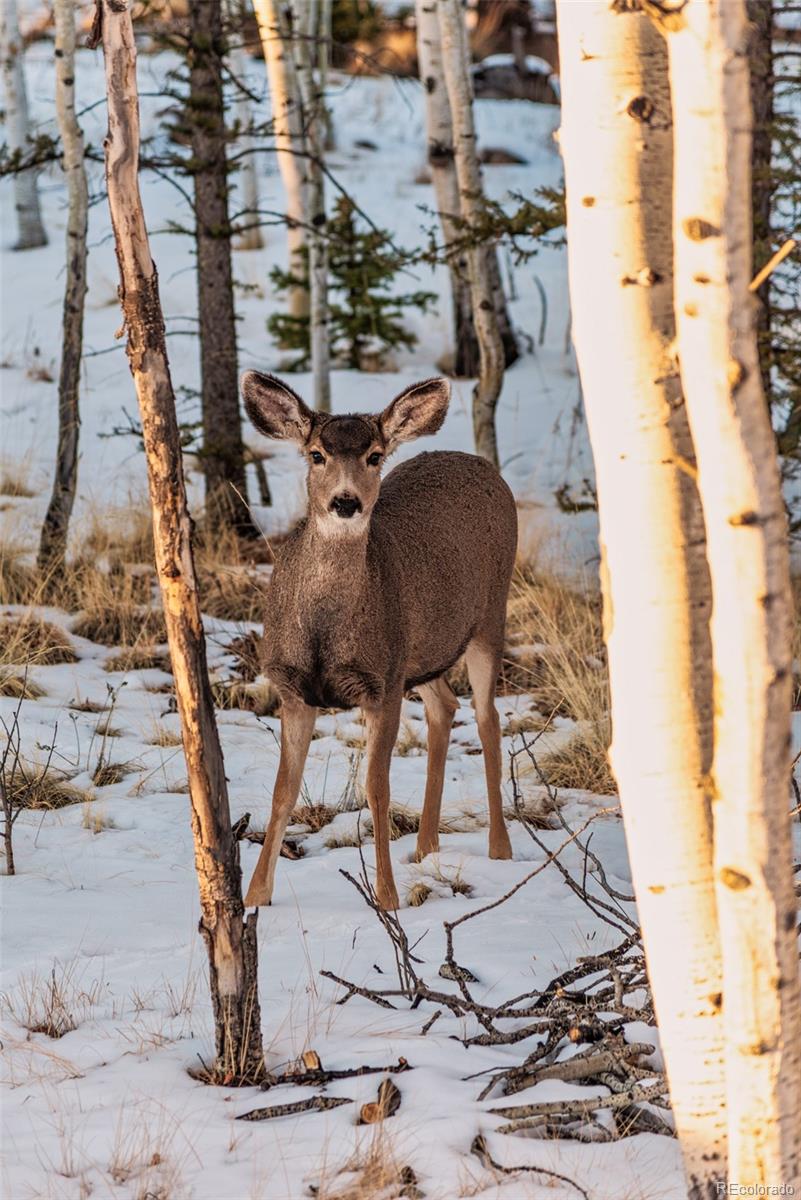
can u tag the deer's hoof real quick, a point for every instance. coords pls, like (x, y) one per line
(387, 899)
(500, 847)
(423, 849)
(257, 897)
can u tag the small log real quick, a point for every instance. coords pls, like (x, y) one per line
(313, 1104)
(386, 1105)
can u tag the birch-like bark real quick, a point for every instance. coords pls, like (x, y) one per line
(289, 142)
(311, 82)
(760, 54)
(616, 141)
(30, 230)
(250, 236)
(55, 528)
(230, 940)
(455, 62)
(738, 481)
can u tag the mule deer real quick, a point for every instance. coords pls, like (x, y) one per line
(383, 587)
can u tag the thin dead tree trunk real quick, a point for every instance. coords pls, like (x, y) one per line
(760, 16)
(55, 529)
(616, 140)
(250, 236)
(230, 940)
(439, 135)
(30, 230)
(288, 132)
(738, 482)
(311, 81)
(468, 173)
(223, 453)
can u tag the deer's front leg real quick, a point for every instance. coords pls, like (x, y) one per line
(297, 726)
(382, 731)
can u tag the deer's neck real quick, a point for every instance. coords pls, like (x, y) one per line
(338, 560)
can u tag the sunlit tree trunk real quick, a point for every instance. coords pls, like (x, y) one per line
(30, 230)
(311, 81)
(223, 455)
(55, 529)
(738, 482)
(250, 236)
(616, 140)
(455, 63)
(288, 134)
(230, 940)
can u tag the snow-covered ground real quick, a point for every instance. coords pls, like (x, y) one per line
(105, 894)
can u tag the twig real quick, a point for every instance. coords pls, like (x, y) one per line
(480, 1149)
(313, 1104)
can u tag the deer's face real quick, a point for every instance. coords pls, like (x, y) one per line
(345, 456)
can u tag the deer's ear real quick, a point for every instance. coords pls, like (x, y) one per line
(416, 412)
(274, 408)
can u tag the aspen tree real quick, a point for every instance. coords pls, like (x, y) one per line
(616, 141)
(55, 528)
(30, 230)
(747, 549)
(250, 236)
(230, 939)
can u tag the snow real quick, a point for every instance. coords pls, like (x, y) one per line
(106, 892)
(534, 64)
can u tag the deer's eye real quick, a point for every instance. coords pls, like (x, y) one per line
(374, 459)
(316, 457)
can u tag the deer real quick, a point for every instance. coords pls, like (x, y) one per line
(379, 590)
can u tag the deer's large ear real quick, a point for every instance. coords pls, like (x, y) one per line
(274, 408)
(416, 412)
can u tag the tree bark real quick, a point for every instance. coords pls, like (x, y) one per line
(468, 173)
(30, 230)
(760, 16)
(616, 140)
(230, 940)
(288, 130)
(55, 529)
(250, 236)
(311, 82)
(739, 486)
(223, 453)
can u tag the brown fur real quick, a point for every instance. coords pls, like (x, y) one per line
(359, 610)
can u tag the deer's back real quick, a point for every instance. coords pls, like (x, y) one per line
(445, 532)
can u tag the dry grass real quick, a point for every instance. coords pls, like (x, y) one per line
(372, 1173)
(18, 581)
(230, 583)
(95, 819)
(52, 1005)
(30, 641)
(582, 763)
(122, 537)
(532, 722)
(138, 658)
(19, 687)
(260, 698)
(314, 817)
(107, 773)
(34, 786)
(417, 894)
(87, 706)
(539, 811)
(163, 737)
(409, 741)
(113, 613)
(14, 482)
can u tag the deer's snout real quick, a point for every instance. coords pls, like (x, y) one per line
(345, 505)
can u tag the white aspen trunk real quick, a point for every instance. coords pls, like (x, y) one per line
(30, 230)
(307, 16)
(455, 62)
(55, 528)
(251, 237)
(616, 142)
(230, 939)
(738, 481)
(289, 140)
(440, 155)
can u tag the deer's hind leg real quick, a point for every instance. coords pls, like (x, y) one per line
(483, 662)
(297, 726)
(441, 706)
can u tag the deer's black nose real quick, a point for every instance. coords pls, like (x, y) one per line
(346, 506)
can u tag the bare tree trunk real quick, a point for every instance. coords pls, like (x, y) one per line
(307, 16)
(223, 455)
(468, 173)
(738, 482)
(30, 230)
(230, 940)
(250, 236)
(760, 16)
(617, 144)
(55, 529)
(288, 129)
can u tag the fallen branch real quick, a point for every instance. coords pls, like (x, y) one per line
(313, 1104)
(480, 1149)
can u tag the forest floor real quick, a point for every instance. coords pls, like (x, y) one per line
(105, 1003)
